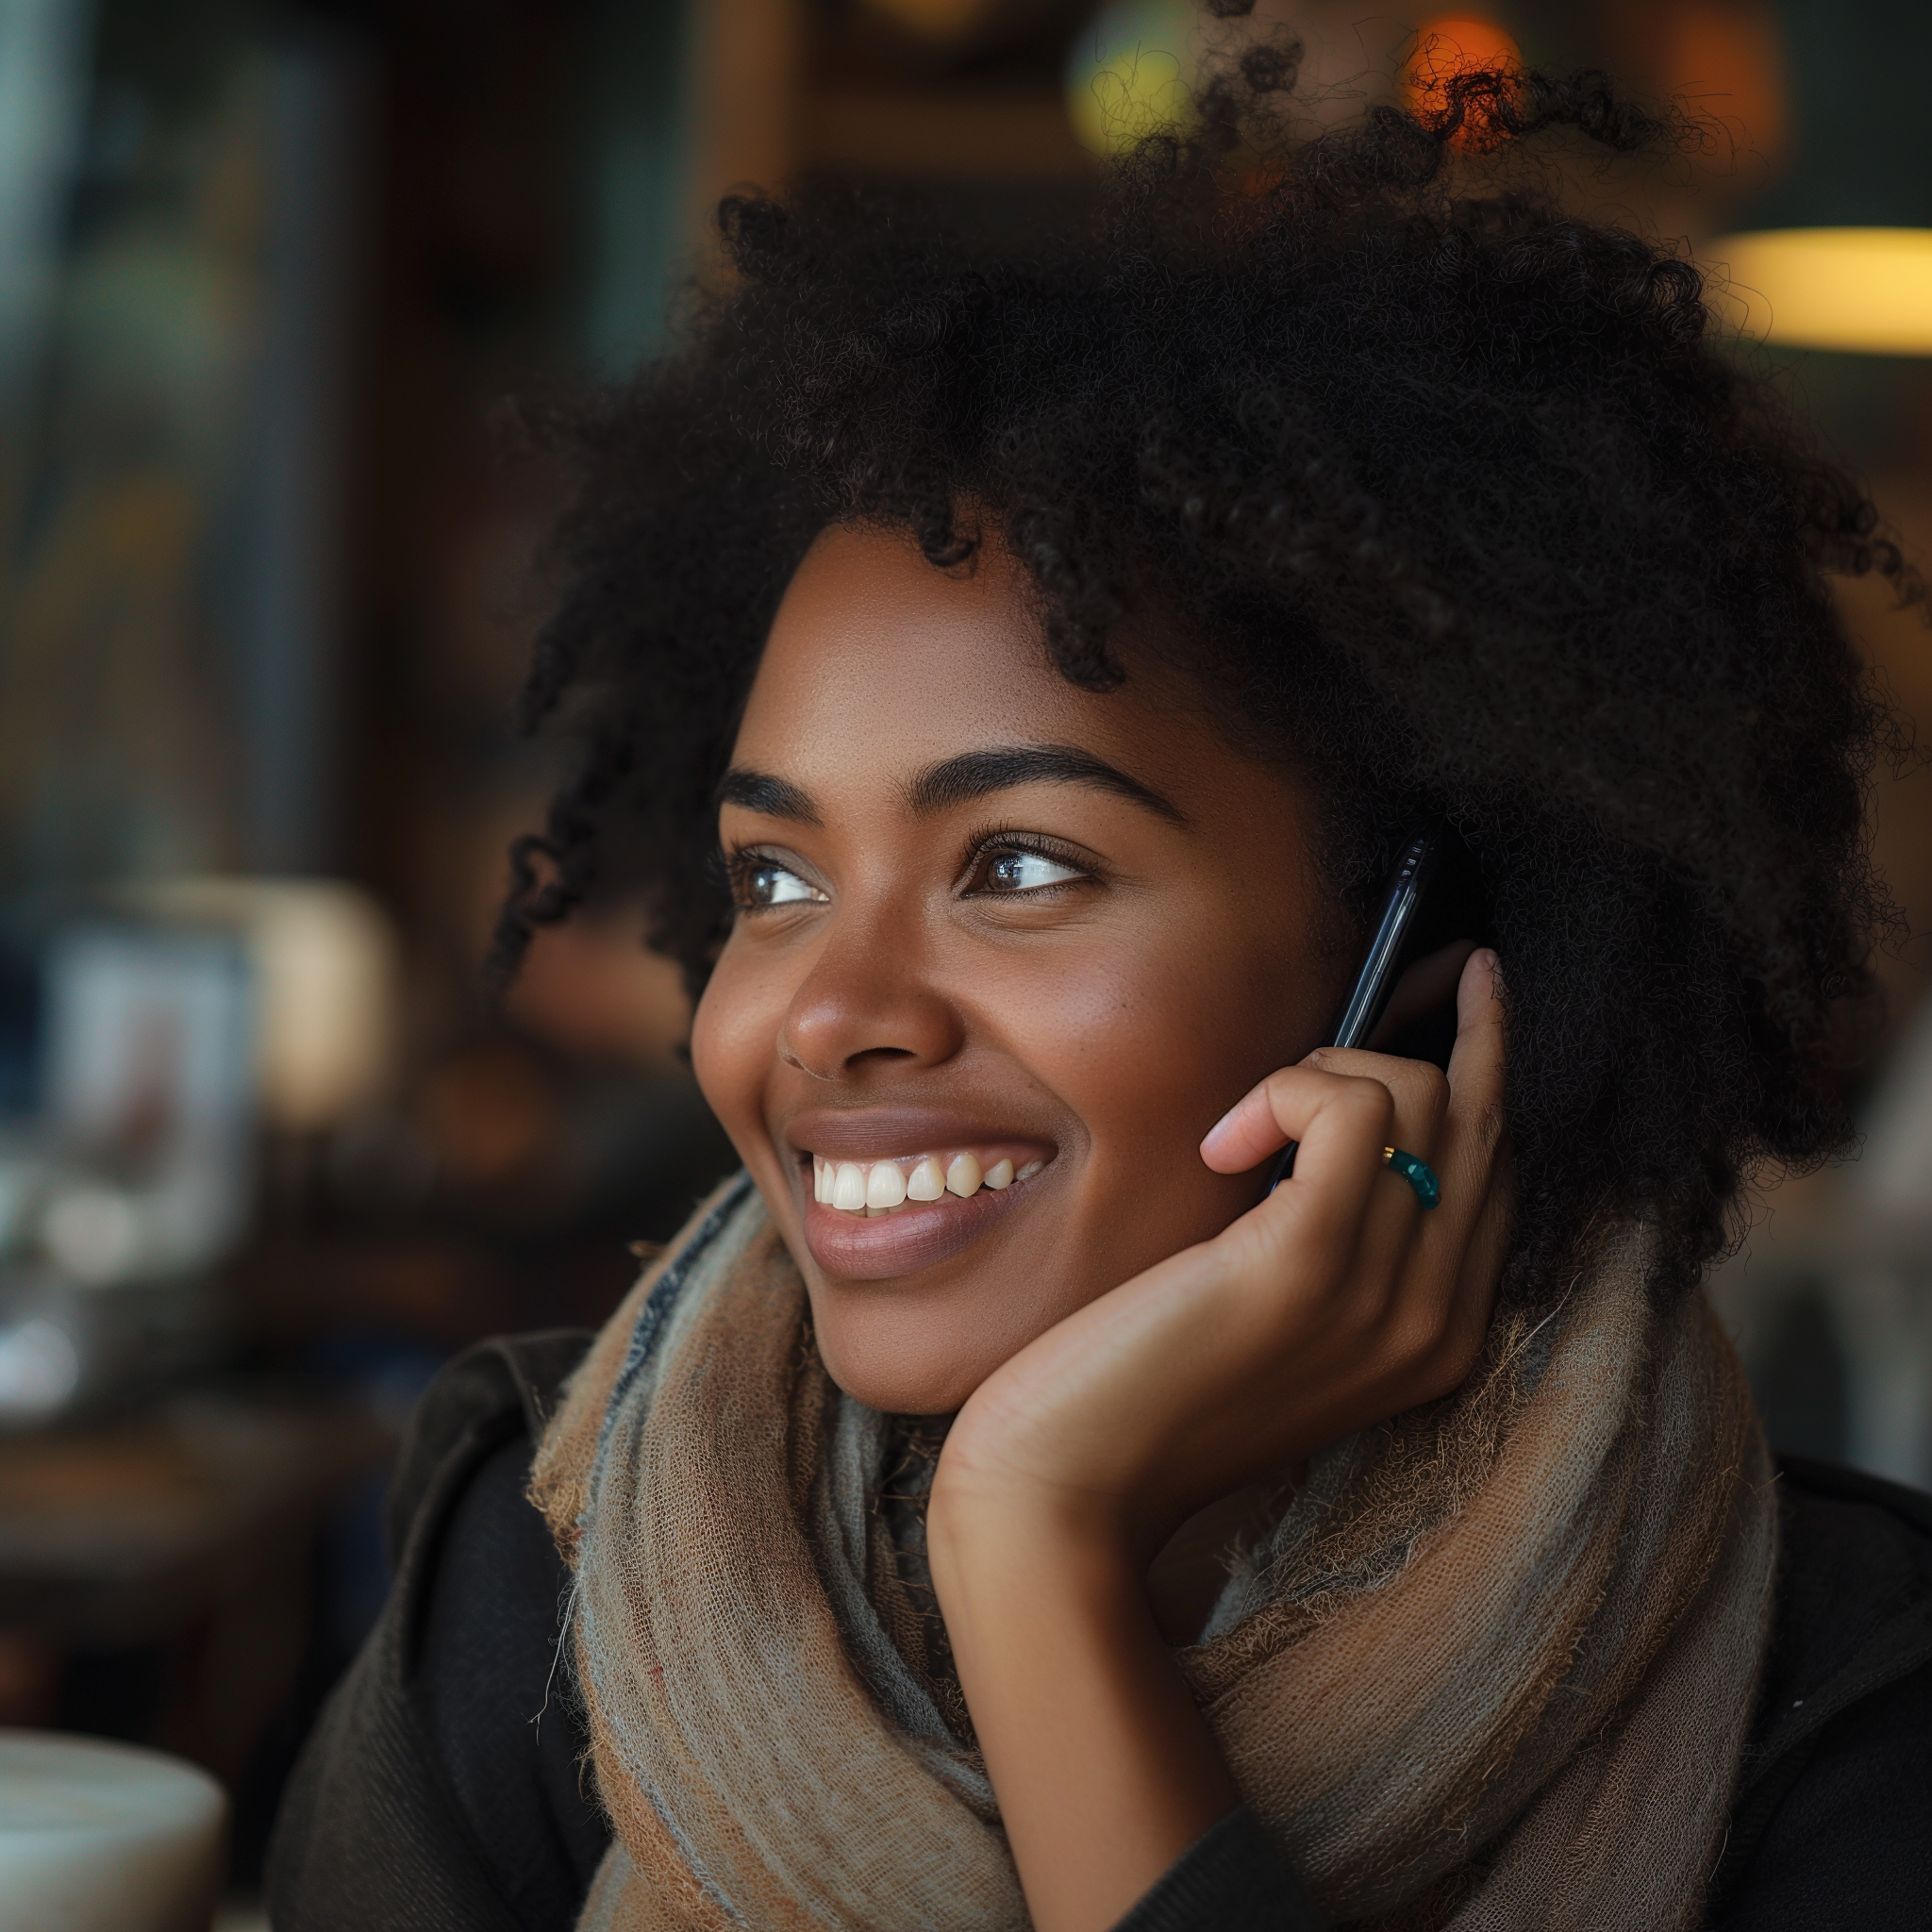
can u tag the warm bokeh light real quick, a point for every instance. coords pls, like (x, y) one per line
(1456, 44)
(1723, 60)
(1130, 73)
(936, 20)
(1867, 289)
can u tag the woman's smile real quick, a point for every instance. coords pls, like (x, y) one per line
(889, 1233)
(888, 1192)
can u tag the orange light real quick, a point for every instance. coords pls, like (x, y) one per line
(1456, 44)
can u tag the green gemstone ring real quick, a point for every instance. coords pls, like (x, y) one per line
(1417, 1174)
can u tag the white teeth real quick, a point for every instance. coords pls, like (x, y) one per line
(876, 1186)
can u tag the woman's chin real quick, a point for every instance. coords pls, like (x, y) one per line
(909, 1315)
(908, 1353)
(896, 1376)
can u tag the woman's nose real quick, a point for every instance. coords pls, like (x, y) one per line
(867, 1002)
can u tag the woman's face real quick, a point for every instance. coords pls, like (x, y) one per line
(990, 925)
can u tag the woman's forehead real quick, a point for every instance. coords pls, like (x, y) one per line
(867, 618)
(879, 666)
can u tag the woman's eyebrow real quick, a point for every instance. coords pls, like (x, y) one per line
(772, 798)
(975, 773)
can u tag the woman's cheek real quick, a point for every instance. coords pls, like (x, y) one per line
(1148, 1047)
(1156, 1030)
(731, 1047)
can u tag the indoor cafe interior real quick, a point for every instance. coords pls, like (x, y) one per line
(277, 277)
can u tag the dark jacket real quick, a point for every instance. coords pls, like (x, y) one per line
(445, 1788)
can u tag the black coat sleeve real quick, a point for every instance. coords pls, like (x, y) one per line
(1233, 1878)
(1850, 1844)
(1833, 1820)
(441, 1790)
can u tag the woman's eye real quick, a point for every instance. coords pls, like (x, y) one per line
(766, 884)
(1026, 871)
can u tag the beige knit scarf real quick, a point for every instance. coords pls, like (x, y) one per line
(1493, 1670)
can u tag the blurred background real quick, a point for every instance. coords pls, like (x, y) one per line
(266, 270)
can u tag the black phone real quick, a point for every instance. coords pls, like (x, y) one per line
(1409, 886)
(1424, 881)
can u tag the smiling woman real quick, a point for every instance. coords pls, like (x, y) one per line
(1009, 670)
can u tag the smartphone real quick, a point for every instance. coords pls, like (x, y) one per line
(1418, 868)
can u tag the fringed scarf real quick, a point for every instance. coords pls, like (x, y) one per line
(1492, 1669)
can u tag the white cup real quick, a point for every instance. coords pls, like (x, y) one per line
(105, 1838)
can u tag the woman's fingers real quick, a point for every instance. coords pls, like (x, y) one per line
(1476, 1064)
(1422, 1282)
(1389, 1227)
(1283, 1105)
(1342, 1222)
(1334, 1303)
(1329, 1089)
(1473, 1120)
(1417, 1091)
(1257, 1125)
(1341, 1121)
(1463, 1252)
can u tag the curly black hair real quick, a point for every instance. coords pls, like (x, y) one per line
(1470, 510)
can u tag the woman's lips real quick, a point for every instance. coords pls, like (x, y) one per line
(860, 1247)
(907, 1228)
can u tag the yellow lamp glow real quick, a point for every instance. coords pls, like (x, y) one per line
(1867, 289)
(1131, 74)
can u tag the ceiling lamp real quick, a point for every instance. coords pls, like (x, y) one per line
(1867, 289)
(1838, 252)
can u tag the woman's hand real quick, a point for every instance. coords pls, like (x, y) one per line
(1335, 1302)
(1332, 1304)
